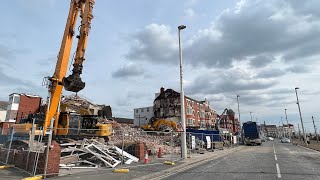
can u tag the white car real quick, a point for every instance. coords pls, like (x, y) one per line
(285, 140)
(270, 138)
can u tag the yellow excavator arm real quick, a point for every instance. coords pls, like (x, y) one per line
(73, 82)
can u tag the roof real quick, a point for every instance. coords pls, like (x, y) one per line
(269, 126)
(3, 105)
(173, 94)
(123, 120)
(143, 107)
(23, 94)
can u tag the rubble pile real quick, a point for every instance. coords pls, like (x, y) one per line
(75, 103)
(92, 154)
(152, 141)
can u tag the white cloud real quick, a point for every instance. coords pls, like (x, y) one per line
(189, 12)
(154, 43)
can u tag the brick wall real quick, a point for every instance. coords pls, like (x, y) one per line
(28, 104)
(139, 151)
(5, 128)
(20, 159)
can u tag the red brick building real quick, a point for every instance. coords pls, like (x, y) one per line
(21, 105)
(198, 114)
(230, 122)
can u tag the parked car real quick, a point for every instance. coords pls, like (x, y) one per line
(285, 140)
(270, 139)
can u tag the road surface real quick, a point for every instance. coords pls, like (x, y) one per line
(272, 160)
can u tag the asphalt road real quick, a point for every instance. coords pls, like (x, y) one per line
(272, 160)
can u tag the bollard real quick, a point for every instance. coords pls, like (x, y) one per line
(160, 152)
(8, 153)
(146, 158)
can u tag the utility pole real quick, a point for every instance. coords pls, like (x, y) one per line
(289, 133)
(183, 121)
(282, 127)
(279, 132)
(239, 109)
(315, 130)
(299, 131)
(304, 134)
(241, 134)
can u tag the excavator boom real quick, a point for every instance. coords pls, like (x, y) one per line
(73, 82)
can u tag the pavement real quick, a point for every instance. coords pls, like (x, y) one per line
(313, 144)
(272, 160)
(150, 171)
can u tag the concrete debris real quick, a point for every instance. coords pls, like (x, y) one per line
(92, 154)
(152, 140)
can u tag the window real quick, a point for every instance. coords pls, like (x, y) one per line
(202, 123)
(11, 99)
(189, 111)
(137, 110)
(141, 110)
(190, 122)
(147, 109)
(16, 99)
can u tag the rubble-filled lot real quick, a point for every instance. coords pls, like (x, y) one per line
(93, 154)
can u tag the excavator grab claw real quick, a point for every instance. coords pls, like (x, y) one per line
(73, 83)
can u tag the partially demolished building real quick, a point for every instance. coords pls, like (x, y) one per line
(199, 114)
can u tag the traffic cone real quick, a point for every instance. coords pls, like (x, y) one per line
(146, 158)
(160, 152)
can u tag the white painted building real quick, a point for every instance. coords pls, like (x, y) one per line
(3, 110)
(142, 115)
(3, 114)
(14, 100)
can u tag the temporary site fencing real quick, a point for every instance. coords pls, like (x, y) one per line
(90, 150)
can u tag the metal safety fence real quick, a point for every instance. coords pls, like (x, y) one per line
(99, 149)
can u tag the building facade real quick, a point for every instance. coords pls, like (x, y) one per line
(198, 114)
(269, 130)
(21, 105)
(3, 110)
(288, 130)
(230, 122)
(142, 115)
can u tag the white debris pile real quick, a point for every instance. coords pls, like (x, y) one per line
(77, 104)
(92, 154)
(152, 140)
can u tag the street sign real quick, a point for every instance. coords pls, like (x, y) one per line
(193, 142)
(208, 142)
(235, 140)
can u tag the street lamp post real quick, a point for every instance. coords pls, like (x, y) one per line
(238, 108)
(304, 135)
(282, 127)
(241, 134)
(251, 115)
(183, 121)
(289, 133)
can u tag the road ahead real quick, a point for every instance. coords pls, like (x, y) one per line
(272, 160)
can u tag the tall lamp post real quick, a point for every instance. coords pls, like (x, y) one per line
(183, 121)
(240, 129)
(251, 115)
(304, 135)
(238, 108)
(289, 133)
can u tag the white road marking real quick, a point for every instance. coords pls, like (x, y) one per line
(278, 170)
(275, 157)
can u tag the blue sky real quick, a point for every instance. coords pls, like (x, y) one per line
(259, 49)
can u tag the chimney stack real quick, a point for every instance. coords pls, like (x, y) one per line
(161, 90)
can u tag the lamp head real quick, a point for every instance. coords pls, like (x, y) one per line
(181, 27)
